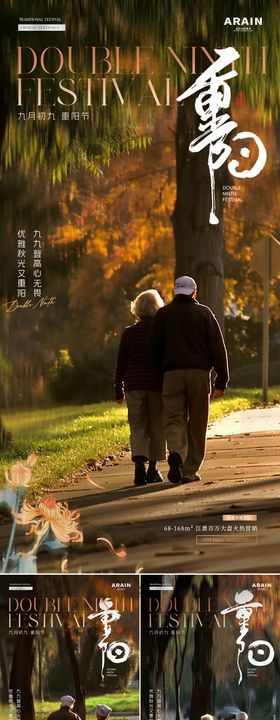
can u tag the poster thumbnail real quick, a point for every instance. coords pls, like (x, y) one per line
(69, 642)
(139, 145)
(210, 646)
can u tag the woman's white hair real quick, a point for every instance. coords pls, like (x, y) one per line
(146, 304)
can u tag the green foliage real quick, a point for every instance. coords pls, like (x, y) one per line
(88, 379)
(58, 675)
(250, 375)
(244, 343)
(243, 340)
(59, 155)
(61, 378)
(5, 367)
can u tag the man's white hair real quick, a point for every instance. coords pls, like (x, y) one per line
(207, 717)
(146, 304)
(241, 715)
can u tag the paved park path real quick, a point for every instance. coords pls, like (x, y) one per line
(241, 475)
(178, 528)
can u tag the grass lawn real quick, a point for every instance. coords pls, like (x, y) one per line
(66, 438)
(119, 702)
(126, 702)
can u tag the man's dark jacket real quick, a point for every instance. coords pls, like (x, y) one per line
(186, 335)
(64, 713)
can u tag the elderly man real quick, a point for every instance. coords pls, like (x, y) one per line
(187, 344)
(65, 711)
(102, 712)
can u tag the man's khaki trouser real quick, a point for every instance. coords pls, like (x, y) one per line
(145, 417)
(186, 395)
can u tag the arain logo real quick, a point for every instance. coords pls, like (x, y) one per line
(243, 21)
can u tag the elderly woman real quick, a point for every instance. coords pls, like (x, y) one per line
(136, 379)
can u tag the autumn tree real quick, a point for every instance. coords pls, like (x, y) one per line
(107, 210)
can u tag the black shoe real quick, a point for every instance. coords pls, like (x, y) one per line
(175, 464)
(192, 477)
(140, 475)
(154, 475)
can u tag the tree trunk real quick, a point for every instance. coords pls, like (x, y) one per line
(5, 437)
(202, 692)
(149, 652)
(89, 643)
(275, 660)
(4, 673)
(80, 706)
(60, 640)
(176, 681)
(154, 646)
(21, 676)
(182, 586)
(40, 671)
(199, 247)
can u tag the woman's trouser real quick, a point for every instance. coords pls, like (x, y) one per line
(145, 417)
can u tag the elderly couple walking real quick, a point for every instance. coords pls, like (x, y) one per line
(66, 712)
(163, 371)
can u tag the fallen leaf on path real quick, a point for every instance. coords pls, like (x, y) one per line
(64, 567)
(222, 467)
(122, 553)
(94, 483)
(179, 552)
